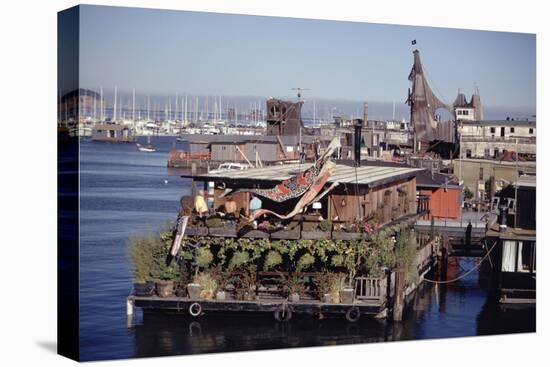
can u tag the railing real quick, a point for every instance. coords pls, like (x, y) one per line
(371, 289)
(181, 155)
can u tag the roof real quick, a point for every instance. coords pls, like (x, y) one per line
(426, 179)
(526, 181)
(111, 127)
(234, 138)
(510, 122)
(371, 175)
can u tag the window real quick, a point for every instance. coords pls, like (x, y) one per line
(487, 154)
(465, 112)
(531, 130)
(518, 256)
(512, 130)
(459, 112)
(525, 256)
(508, 256)
(468, 153)
(481, 173)
(493, 130)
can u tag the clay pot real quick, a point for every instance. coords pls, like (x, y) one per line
(165, 288)
(194, 290)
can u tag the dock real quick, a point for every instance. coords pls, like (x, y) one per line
(282, 310)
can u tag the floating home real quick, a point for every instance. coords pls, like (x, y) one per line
(360, 217)
(113, 133)
(212, 150)
(514, 240)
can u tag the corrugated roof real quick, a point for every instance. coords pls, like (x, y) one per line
(367, 175)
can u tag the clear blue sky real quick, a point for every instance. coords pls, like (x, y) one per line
(168, 52)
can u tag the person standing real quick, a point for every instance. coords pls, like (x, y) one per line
(254, 206)
(200, 204)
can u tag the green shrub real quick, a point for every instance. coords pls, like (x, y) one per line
(238, 260)
(208, 284)
(204, 257)
(141, 254)
(305, 262)
(272, 260)
(161, 269)
(325, 225)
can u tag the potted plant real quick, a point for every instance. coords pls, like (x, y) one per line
(208, 285)
(293, 287)
(223, 279)
(321, 231)
(329, 286)
(163, 271)
(203, 259)
(141, 255)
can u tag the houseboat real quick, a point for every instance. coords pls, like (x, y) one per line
(113, 133)
(324, 239)
(514, 240)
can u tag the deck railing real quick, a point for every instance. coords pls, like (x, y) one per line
(373, 289)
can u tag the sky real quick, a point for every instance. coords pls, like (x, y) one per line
(162, 52)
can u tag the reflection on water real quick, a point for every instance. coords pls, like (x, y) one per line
(124, 192)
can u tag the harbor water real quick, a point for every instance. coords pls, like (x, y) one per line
(125, 192)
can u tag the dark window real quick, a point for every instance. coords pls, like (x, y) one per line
(481, 173)
(492, 130)
(468, 153)
(512, 130)
(525, 256)
(530, 130)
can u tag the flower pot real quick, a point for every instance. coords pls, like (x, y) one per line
(165, 288)
(207, 294)
(194, 290)
(220, 295)
(295, 297)
(144, 289)
(346, 295)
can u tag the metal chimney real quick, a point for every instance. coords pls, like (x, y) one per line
(502, 217)
(366, 114)
(358, 124)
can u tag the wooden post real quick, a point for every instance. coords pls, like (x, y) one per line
(399, 301)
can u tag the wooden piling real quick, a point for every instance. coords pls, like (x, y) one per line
(399, 300)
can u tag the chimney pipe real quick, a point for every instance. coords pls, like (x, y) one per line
(502, 218)
(357, 141)
(366, 113)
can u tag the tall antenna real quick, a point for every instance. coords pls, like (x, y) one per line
(299, 92)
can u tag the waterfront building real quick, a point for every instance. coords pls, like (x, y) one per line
(514, 238)
(490, 139)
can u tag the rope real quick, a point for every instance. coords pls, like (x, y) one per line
(465, 274)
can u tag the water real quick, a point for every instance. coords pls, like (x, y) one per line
(125, 192)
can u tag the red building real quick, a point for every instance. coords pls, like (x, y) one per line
(444, 196)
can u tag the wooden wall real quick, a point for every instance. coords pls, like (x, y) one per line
(370, 200)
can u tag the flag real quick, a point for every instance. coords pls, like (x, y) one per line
(413, 42)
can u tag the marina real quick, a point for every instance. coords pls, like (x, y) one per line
(216, 213)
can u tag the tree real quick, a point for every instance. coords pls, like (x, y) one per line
(468, 194)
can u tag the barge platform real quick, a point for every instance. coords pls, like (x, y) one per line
(282, 309)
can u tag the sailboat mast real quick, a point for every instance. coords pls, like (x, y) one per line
(185, 108)
(101, 107)
(114, 105)
(133, 105)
